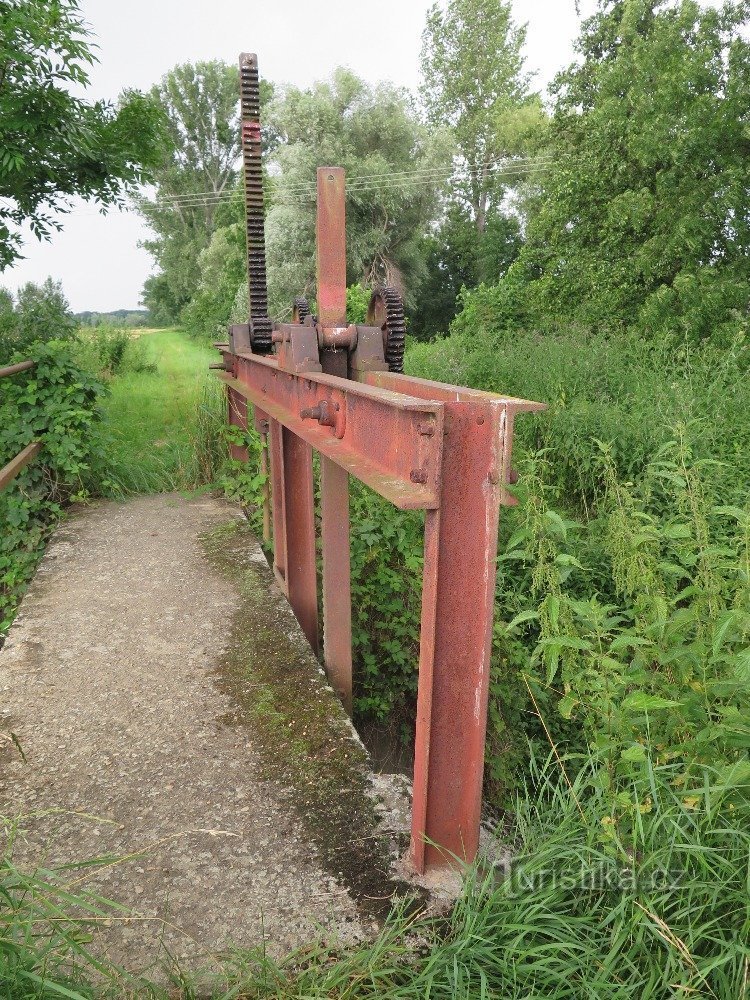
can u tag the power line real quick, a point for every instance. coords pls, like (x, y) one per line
(365, 181)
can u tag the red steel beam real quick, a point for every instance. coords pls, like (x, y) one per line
(278, 511)
(457, 614)
(334, 481)
(390, 441)
(337, 602)
(331, 246)
(299, 515)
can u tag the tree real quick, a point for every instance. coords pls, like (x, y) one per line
(393, 166)
(644, 212)
(54, 145)
(43, 313)
(8, 324)
(197, 174)
(474, 81)
(457, 258)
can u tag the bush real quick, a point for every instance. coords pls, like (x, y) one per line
(56, 402)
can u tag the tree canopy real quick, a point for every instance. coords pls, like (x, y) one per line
(54, 144)
(395, 169)
(643, 211)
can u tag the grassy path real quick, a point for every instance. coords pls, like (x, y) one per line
(152, 416)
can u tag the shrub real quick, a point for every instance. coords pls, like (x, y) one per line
(55, 402)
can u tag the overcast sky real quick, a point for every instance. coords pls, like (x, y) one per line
(97, 257)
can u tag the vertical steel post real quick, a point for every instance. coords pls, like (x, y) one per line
(334, 481)
(262, 426)
(278, 516)
(299, 515)
(264, 471)
(456, 637)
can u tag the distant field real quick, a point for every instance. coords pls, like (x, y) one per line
(151, 415)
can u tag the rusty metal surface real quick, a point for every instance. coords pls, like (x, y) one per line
(260, 324)
(21, 366)
(331, 244)
(422, 445)
(502, 407)
(278, 514)
(458, 605)
(337, 607)
(335, 338)
(299, 513)
(9, 472)
(392, 442)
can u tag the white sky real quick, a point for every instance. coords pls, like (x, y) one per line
(97, 257)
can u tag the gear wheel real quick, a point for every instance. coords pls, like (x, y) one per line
(300, 309)
(260, 324)
(386, 310)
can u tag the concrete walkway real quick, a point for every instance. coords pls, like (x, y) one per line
(169, 708)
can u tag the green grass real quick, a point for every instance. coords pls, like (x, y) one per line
(151, 416)
(632, 887)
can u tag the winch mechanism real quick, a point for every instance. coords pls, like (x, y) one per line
(304, 344)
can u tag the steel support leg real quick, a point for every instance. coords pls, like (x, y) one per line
(278, 514)
(299, 516)
(337, 611)
(454, 665)
(334, 481)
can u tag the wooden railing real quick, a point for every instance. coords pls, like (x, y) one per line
(9, 472)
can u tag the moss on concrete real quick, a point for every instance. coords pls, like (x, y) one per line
(299, 728)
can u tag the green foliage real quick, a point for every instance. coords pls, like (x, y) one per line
(52, 143)
(458, 257)
(40, 313)
(198, 170)
(641, 213)
(386, 561)
(55, 402)
(155, 411)
(373, 133)
(623, 574)
(474, 81)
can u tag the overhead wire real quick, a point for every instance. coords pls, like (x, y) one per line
(363, 181)
(300, 194)
(387, 181)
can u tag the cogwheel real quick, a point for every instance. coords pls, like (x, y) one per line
(300, 309)
(260, 324)
(386, 310)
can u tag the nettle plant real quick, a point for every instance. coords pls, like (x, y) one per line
(56, 402)
(642, 628)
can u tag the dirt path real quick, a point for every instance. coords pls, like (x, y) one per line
(156, 679)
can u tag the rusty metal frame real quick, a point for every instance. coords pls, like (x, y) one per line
(422, 445)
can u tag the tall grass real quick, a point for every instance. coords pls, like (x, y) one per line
(153, 436)
(635, 889)
(45, 929)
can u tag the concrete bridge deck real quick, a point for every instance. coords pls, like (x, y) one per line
(172, 713)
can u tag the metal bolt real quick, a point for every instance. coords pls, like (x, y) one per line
(426, 430)
(418, 476)
(480, 419)
(323, 412)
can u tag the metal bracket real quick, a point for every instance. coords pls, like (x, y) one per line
(368, 354)
(239, 337)
(297, 348)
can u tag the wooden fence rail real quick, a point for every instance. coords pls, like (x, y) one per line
(9, 472)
